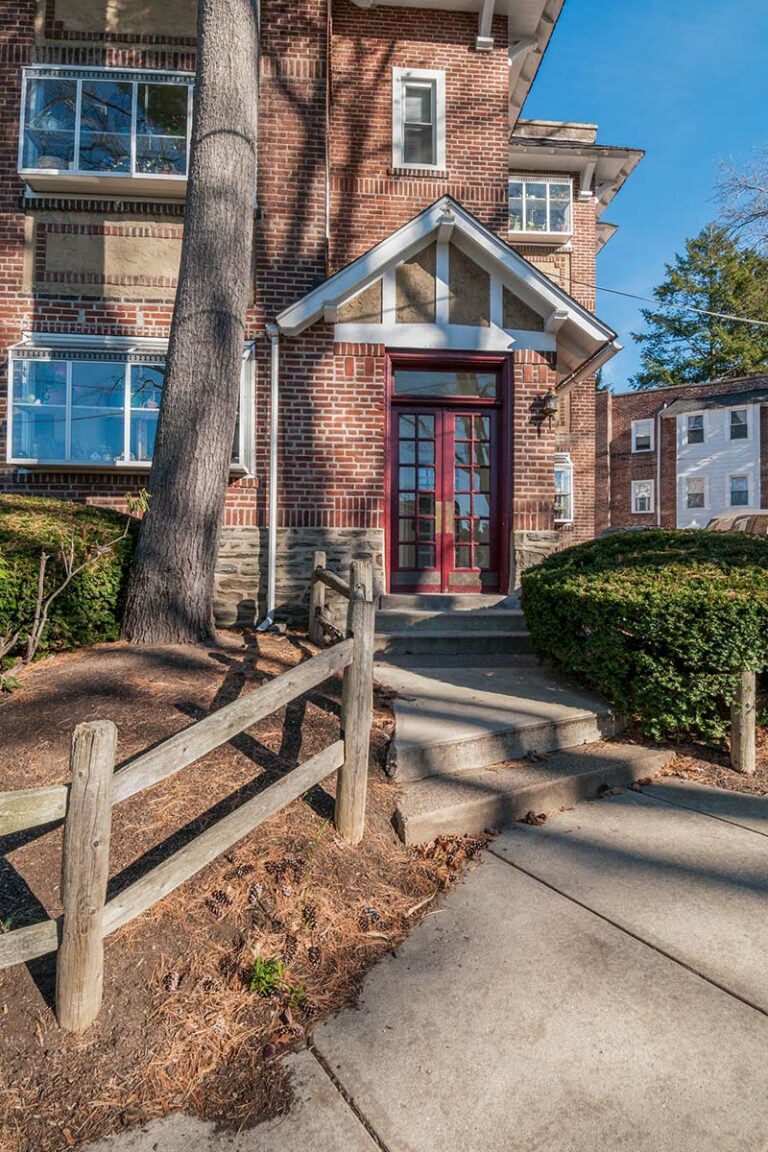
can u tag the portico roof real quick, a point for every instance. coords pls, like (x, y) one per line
(579, 339)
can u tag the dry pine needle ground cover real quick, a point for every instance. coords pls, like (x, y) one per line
(180, 1027)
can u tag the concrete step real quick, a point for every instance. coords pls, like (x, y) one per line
(446, 601)
(454, 717)
(452, 641)
(488, 620)
(492, 797)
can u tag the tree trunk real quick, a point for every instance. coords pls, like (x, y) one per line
(170, 588)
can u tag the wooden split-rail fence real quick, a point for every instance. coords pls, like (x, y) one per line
(86, 803)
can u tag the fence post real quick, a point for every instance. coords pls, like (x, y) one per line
(357, 707)
(316, 600)
(743, 724)
(84, 871)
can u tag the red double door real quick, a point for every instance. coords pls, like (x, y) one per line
(445, 498)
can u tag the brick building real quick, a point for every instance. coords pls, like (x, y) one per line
(676, 457)
(418, 373)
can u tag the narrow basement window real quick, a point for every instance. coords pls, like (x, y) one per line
(563, 488)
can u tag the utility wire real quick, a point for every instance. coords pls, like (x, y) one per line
(680, 307)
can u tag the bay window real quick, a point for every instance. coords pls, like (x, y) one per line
(97, 128)
(92, 405)
(542, 207)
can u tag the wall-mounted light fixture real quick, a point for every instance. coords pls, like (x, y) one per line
(549, 406)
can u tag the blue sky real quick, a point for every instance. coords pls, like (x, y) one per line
(689, 84)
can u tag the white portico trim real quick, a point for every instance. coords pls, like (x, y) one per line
(555, 322)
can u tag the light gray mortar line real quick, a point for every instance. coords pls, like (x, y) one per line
(712, 815)
(628, 932)
(356, 1112)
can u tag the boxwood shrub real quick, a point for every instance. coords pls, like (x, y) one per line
(88, 610)
(658, 621)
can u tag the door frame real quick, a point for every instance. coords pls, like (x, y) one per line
(503, 364)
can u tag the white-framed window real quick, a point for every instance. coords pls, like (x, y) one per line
(642, 496)
(95, 403)
(418, 118)
(541, 206)
(695, 492)
(99, 128)
(642, 435)
(563, 488)
(739, 424)
(694, 428)
(739, 490)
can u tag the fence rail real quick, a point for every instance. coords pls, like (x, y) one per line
(86, 806)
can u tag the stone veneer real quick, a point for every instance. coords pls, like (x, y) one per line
(241, 572)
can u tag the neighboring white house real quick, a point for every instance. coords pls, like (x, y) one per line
(718, 457)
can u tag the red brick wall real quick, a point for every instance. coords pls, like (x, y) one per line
(370, 200)
(533, 445)
(332, 435)
(614, 444)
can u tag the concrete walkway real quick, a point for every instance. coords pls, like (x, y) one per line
(597, 984)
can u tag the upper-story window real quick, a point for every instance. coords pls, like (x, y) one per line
(418, 118)
(694, 428)
(95, 129)
(739, 424)
(541, 207)
(95, 403)
(642, 435)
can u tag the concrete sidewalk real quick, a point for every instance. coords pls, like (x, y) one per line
(596, 984)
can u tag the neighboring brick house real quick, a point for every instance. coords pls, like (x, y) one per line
(421, 342)
(676, 457)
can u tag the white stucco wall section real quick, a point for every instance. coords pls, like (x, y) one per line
(715, 461)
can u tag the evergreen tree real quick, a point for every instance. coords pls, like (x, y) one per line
(682, 347)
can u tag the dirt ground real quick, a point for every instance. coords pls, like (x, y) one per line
(180, 1027)
(709, 766)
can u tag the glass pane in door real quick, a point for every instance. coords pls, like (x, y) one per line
(417, 489)
(472, 492)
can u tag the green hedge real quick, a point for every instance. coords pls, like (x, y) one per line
(657, 621)
(87, 611)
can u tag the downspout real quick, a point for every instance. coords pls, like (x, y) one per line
(658, 466)
(274, 414)
(328, 48)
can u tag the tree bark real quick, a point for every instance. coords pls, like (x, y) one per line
(169, 597)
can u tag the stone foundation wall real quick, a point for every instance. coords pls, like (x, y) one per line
(529, 549)
(241, 572)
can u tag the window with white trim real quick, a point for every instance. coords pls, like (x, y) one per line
(642, 496)
(96, 406)
(418, 118)
(739, 424)
(642, 435)
(695, 491)
(694, 428)
(738, 491)
(563, 488)
(104, 127)
(541, 206)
